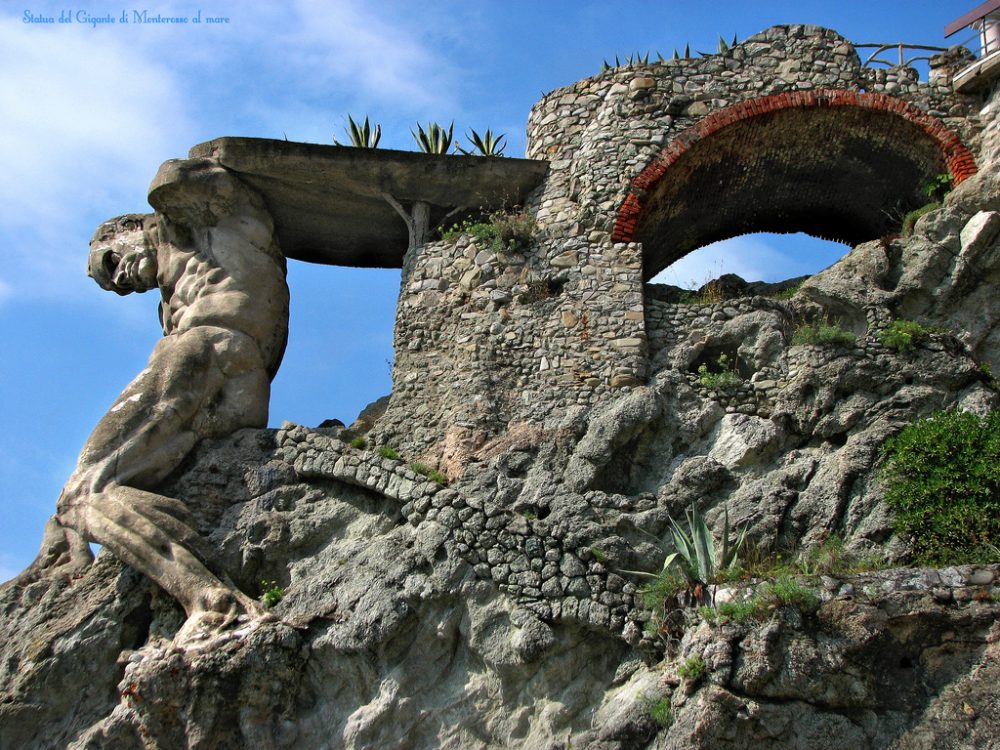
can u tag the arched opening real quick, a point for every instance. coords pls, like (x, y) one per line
(764, 257)
(339, 354)
(837, 165)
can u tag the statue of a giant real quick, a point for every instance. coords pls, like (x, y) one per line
(210, 249)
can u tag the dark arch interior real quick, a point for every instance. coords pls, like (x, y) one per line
(843, 174)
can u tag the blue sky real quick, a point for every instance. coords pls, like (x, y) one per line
(89, 113)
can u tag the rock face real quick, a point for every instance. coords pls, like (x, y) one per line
(573, 411)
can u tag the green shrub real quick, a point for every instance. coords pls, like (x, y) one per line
(660, 711)
(823, 334)
(938, 186)
(693, 669)
(783, 592)
(910, 220)
(831, 559)
(663, 587)
(433, 474)
(501, 230)
(724, 378)
(942, 479)
(273, 593)
(750, 609)
(386, 452)
(904, 335)
(789, 292)
(358, 442)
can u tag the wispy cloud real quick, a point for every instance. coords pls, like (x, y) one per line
(377, 52)
(81, 110)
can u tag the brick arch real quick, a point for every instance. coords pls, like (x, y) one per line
(875, 126)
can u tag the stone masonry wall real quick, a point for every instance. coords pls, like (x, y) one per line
(603, 131)
(484, 338)
(487, 339)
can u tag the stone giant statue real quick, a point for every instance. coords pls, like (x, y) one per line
(210, 249)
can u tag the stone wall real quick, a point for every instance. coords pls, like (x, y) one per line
(603, 131)
(485, 339)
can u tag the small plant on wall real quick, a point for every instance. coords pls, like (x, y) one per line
(938, 187)
(487, 144)
(935, 189)
(434, 140)
(721, 376)
(905, 335)
(822, 334)
(512, 229)
(363, 135)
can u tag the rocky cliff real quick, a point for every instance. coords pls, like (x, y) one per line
(563, 403)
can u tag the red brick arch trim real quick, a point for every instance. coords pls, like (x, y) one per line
(960, 162)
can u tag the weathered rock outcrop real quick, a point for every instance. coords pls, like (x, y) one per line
(566, 403)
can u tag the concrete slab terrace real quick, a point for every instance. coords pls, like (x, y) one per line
(328, 202)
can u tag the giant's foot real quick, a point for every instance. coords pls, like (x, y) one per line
(64, 552)
(220, 613)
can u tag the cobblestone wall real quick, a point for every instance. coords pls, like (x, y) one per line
(603, 131)
(485, 338)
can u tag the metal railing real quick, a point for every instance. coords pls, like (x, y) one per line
(987, 45)
(902, 57)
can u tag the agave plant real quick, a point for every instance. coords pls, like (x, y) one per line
(487, 145)
(362, 136)
(725, 46)
(696, 556)
(435, 140)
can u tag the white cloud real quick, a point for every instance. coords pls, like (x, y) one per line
(82, 110)
(378, 53)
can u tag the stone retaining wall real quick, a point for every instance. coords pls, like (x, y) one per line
(485, 339)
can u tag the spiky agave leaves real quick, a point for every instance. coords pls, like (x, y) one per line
(697, 557)
(487, 145)
(435, 140)
(630, 60)
(724, 46)
(700, 559)
(362, 136)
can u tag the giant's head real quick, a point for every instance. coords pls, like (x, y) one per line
(123, 254)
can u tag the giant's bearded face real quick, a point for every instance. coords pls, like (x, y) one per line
(122, 255)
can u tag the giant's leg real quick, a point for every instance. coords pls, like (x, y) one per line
(142, 529)
(200, 382)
